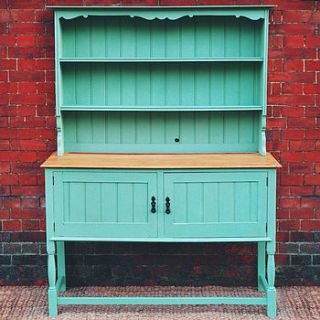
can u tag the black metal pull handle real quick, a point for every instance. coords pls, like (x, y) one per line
(153, 204)
(168, 205)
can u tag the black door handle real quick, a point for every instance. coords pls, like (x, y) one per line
(153, 204)
(168, 205)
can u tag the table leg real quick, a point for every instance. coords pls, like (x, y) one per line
(52, 279)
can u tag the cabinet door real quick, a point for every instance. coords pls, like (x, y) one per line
(105, 204)
(216, 204)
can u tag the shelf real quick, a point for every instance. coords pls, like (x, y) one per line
(163, 160)
(160, 60)
(161, 108)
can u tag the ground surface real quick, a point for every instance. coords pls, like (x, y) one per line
(26, 303)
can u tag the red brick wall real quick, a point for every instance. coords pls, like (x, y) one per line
(27, 137)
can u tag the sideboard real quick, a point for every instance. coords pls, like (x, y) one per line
(161, 118)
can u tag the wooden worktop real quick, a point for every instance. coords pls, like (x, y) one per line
(161, 161)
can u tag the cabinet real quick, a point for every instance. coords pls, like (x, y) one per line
(161, 115)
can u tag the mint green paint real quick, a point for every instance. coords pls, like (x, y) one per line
(171, 84)
(157, 131)
(199, 207)
(161, 300)
(187, 38)
(61, 266)
(91, 204)
(134, 79)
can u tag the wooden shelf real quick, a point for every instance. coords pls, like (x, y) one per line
(161, 60)
(161, 161)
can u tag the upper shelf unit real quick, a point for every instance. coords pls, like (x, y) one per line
(161, 58)
(121, 39)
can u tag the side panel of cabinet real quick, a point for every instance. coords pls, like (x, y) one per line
(105, 204)
(216, 204)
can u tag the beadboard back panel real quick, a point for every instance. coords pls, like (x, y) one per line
(161, 86)
(161, 131)
(125, 38)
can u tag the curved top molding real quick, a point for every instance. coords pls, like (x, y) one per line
(161, 13)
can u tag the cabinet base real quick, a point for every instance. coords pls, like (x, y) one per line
(269, 299)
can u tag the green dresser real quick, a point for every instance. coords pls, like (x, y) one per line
(161, 116)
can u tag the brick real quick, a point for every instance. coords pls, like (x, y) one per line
(302, 145)
(295, 77)
(20, 76)
(293, 53)
(276, 122)
(312, 41)
(292, 180)
(26, 28)
(294, 30)
(312, 88)
(306, 213)
(312, 179)
(291, 111)
(301, 191)
(310, 248)
(296, 168)
(293, 65)
(27, 190)
(27, 87)
(8, 179)
(312, 156)
(277, 41)
(289, 225)
(29, 203)
(292, 156)
(283, 213)
(301, 236)
(28, 99)
(4, 214)
(312, 134)
(292, 4)
(11, 225)
(294, 41)
(26, 4)
(28, 180)
(30, 225)
(316, 260)
(29, 260)
(27, 213)
(290, 203)
(292, 134)
(301, 260)
(301, 123)
(288, 248)
(292, 88)
(312, 65)
(26, 52)
(283, 236)
(310, 225)
(294, 16)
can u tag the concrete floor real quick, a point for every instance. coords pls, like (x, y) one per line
(22, 303)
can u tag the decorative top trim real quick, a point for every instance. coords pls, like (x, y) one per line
(161, 13)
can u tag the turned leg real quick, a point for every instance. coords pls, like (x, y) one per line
(61, 264)
(271, 292)
(52, 279)
(261, 264)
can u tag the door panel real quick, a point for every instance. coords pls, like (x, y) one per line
(224, 204)
(101, 204)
